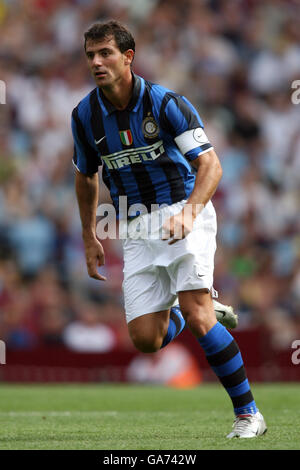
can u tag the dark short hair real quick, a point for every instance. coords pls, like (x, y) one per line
(100, 31)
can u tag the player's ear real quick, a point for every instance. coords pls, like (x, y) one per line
(129, 55)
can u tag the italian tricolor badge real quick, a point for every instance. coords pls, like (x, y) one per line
(126, 137)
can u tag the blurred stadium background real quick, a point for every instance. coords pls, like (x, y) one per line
(236, 61)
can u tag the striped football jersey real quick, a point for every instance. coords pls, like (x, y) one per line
(146, 149)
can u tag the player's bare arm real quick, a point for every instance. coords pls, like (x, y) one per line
(209, 173)
(87, 192)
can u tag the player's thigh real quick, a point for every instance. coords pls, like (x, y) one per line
(148, 331)
(146, 292)
(194, 269)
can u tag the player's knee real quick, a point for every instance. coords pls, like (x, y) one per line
(199, 320)
(146, 343)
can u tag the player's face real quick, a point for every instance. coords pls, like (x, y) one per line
(106, 62)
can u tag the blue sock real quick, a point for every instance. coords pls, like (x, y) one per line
(176, 325)
(224, 357)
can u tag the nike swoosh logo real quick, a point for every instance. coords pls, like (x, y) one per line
(100, 140)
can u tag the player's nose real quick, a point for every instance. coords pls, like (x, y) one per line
(97, 60)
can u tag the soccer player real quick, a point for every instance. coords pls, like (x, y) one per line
(146, 138)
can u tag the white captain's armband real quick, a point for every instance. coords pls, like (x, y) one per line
(193, 139)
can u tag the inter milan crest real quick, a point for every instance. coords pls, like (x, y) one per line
(150, 127)
(126, 137)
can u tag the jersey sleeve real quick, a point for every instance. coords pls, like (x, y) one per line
(183, 122)
(85, 158)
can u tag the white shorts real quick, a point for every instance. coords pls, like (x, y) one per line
(154, 271)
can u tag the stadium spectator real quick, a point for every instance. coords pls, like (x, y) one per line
(88, 333)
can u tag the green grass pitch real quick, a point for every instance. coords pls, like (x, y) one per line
(131, 417)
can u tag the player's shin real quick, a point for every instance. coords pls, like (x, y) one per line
(224, 357)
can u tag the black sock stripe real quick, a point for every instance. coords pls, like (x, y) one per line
(223, 356)
(242, 400)
(234, 379)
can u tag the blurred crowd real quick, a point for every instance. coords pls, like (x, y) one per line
(235, 61)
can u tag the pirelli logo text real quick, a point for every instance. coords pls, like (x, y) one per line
(117, 160)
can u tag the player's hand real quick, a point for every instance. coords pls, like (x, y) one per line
(177, 227)
(94, 255)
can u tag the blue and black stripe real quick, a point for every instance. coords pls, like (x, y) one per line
(150, 169)
(224, 357)
(82, 147)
